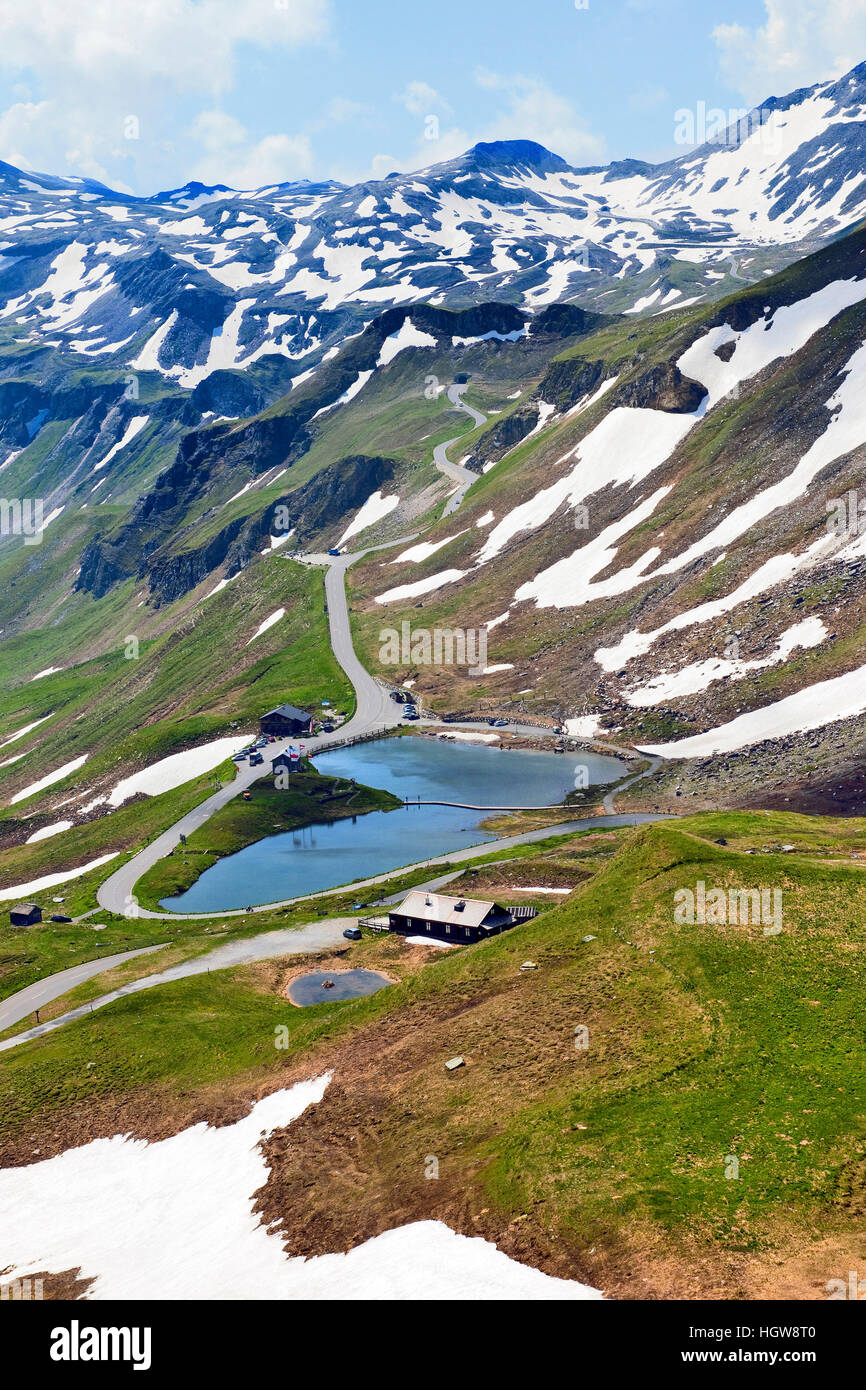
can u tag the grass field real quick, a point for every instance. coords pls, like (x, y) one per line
(712, 1131)
(198, 679)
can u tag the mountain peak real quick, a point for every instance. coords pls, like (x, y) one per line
(496, 154)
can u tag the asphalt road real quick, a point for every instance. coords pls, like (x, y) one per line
(464, 476)
(26, 1001)
(373, 710)
(609, 802)
(317, 936)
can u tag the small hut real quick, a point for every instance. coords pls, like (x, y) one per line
(25, 915)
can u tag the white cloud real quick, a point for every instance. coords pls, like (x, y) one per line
(533, 111)
(95, 65)
(522, 108)
(381, 165)
(189, 44)
(232, 157)
(420, 99)
(801, 42)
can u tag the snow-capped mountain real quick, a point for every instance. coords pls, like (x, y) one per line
(201, 279)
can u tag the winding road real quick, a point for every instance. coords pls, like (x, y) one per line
(374, 711)
(464, 476)
(289, 941)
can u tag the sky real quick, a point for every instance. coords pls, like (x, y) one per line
(145, 95)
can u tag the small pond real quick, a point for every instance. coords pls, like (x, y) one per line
(347, 984)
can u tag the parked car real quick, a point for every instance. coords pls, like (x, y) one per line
(328, 728)
(262, 742)
(353, 934)
(414, 716)
(256, 760)
(335, 552)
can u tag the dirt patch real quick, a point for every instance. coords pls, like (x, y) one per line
(68, 1286)
(398, 1139)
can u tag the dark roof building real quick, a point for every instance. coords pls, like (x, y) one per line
(286, 721)
(25, 915)
(284, 762)
(450, 919)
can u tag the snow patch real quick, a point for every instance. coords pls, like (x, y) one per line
(176, 1219)
(376, 508)
(50, 778)
(267, 624)
(407, 336)
(25, 890)
(48, 830)
(173, 771)
(421, 586)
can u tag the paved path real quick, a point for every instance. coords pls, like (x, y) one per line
(455, 857)
(26, 1001)
(609, 802)
(373, 710)
(317, 936)
(464, 476)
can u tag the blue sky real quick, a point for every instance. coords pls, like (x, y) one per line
(250, 92)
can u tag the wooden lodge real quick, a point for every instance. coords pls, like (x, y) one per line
(286, 721)
(459, 920)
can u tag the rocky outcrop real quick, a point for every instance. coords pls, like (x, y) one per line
(505, 435)
(332, 495)
(663, 387)
(162, 513)
(473, 322)
(566, 321)
(338, 491)
(228, 393)
(566, 382)
(26, 406)
(172, 576)
(100, 569)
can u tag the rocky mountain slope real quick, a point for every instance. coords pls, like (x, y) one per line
(195, 385)
(202, 281)
(675, 552)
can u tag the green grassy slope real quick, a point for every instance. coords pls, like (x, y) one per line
(706, 1044)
